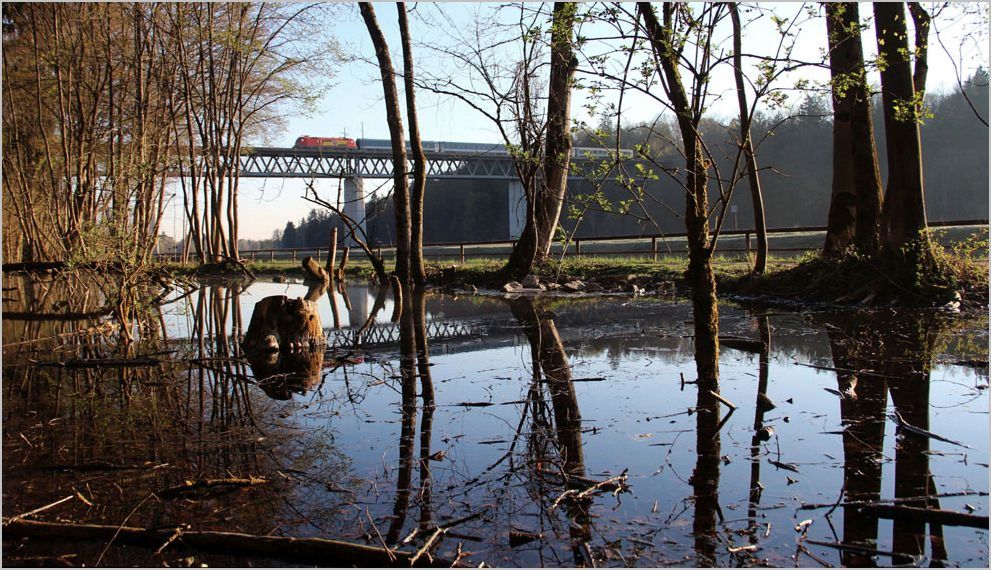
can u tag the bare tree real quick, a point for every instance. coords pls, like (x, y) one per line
(419, 274)
(400, 191)
(746, 114)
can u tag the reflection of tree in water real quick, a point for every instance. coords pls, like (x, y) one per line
(551, 369)
(131, 432)
(900, 350)
(414, 361)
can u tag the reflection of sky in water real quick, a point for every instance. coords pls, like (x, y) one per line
(634, 419)
(627, 357)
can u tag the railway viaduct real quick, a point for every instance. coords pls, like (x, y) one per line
(458, 161)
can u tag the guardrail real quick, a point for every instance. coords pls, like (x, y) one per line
(464, 250)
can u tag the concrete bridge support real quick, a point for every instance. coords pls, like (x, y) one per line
(517, 208)
(354, 205)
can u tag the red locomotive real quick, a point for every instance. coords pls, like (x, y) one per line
(324, 142)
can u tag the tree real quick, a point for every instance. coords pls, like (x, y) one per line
(855, 205)
(667, 44)
(557, 155)
(746, 113)
(419, 275)
(400, 190)
(903, 216)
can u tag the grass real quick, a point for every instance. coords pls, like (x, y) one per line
(957, 264)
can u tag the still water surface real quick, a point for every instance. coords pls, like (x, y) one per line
(527, 397)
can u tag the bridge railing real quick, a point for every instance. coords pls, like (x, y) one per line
(795, 241)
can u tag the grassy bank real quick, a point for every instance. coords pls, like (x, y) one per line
(958, 270)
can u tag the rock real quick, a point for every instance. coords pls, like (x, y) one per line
(574, 286)
(531, 282)
(512, 287)
(594, 288)
(280, 279)
(554, 286)
(765, 433)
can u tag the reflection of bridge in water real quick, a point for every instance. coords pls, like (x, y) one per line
(388, 333)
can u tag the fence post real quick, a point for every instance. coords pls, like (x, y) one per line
(294, 255)
(462, 253)
(271, 256)
(653, 247)
(578, 247)
(747, 253)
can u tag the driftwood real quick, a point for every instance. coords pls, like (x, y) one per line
(313, 271)
(932, 516)
(317, 551)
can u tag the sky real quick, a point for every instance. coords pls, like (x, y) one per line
(353, 104)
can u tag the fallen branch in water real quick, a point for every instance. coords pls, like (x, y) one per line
(813, 506)
(608, 484)
(16, 518)
(852, 548)
(924, 433)
(616, 484)
(316, 551)
(102, 363)
(921, 514)
(234, 482)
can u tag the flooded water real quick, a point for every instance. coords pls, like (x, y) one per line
(551, 432)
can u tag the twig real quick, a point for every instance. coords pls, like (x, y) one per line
(38, 510)
(392, 557)
(717, 396)
(207, 483)
(426, 547)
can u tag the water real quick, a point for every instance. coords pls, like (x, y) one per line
(525, 395)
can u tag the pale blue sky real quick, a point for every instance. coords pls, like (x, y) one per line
(353, 105)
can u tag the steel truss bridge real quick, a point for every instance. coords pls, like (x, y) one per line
(272, 162)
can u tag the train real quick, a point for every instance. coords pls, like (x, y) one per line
(307, 142)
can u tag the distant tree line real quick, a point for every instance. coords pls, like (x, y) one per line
(796, 154)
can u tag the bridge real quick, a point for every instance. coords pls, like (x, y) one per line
(445, 160)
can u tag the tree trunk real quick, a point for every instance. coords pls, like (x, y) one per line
(558, 141)
(700, 275)
(856, 203)
(400, 192)
(419, 274)
(760, 264)
(524, 253)
(903, 217)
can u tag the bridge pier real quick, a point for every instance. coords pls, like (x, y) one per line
(354, 205)
(517, 208)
